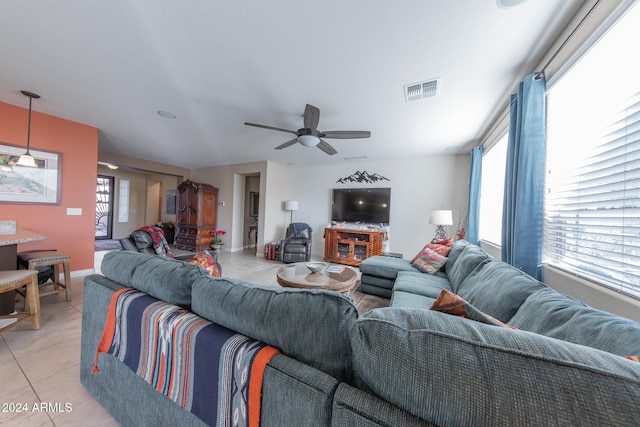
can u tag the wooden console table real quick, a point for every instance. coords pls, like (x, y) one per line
(351, 247)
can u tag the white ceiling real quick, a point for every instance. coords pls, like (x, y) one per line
(113, 64)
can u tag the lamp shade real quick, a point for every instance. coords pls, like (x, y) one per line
(441, 217)
(291, 205)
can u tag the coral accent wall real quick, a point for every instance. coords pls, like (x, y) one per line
(78, 144)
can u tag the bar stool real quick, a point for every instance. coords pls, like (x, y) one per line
(15, 279)
(31, 260)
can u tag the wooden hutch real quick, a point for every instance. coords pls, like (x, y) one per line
(197, 215)
(351, 247)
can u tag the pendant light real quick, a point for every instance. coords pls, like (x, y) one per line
(27, 159)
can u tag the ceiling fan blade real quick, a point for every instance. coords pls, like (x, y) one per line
(346, 134)
(287, 144)
(311, 116)
(326, 148)
(271, 127)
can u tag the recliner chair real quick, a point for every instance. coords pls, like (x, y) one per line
(141, 241)
(296, 246)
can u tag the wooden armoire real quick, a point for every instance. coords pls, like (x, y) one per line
(197, 215)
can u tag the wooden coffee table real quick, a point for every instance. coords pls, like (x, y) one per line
(297, 275)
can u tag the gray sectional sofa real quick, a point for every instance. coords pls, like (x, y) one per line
(403, 365)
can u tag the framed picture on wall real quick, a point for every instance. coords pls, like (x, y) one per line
(254, 204)
(171, 201)
(39, 185)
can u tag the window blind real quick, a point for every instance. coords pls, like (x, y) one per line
(592, 203)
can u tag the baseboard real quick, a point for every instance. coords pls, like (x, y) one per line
(79, 273)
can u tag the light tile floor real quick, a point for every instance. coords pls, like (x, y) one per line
(42, 367)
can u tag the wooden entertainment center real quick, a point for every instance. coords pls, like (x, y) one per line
(351, 247)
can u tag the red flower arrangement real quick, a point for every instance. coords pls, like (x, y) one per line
(217, 236)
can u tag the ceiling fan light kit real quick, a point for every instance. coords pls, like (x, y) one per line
(308, 140)
(310, 136)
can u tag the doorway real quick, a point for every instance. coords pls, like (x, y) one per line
(104, 207)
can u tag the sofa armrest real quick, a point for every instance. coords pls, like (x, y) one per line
(127, 244)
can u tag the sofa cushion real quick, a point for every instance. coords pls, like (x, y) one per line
(422, 284)
(453, 371)
(454, 253)
(470, 257)
(312, 326)
(161, 277)
(379, 282)
(385, 266)
(498, 289)
(429, 261)
(407, 299)
(556, 315)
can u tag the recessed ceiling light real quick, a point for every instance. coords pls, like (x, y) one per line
(166, 114)
(355, 158)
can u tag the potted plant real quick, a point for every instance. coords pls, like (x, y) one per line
(217, 239)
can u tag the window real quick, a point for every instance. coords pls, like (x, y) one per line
(592, 204)
(494, 164)
(123, 201)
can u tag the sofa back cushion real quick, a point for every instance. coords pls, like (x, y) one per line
(556, 315)
(454, 253)
(463, 259)
(454, 371)
(161, 277)
(498, 289)
(312, 326)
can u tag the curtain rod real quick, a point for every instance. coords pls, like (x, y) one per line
(540, 73)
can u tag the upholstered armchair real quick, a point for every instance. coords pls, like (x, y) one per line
(296, 246)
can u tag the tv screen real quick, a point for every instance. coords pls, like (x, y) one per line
(370, 205)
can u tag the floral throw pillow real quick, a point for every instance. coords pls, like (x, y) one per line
(207, 262)
(441, 249)
(453, 304)
(429, 261)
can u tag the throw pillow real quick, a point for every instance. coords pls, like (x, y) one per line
(207, 262)
(419, 253)
(453, 304)
(444, 242)
(441, 249)
(429, 261)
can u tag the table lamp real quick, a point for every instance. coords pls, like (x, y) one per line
(441, 218)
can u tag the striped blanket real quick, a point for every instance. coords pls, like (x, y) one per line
(209, 370)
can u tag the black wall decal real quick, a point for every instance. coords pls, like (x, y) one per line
(362, 177)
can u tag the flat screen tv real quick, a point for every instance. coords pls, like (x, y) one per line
(369, 205)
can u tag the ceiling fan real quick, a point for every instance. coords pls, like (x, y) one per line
(310, 136)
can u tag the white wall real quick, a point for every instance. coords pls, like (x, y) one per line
(230, 182)
(418, 185)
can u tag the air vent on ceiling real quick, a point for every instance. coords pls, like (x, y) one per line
(420, 90)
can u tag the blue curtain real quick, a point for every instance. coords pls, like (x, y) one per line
(475, 182)
(522, 215)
